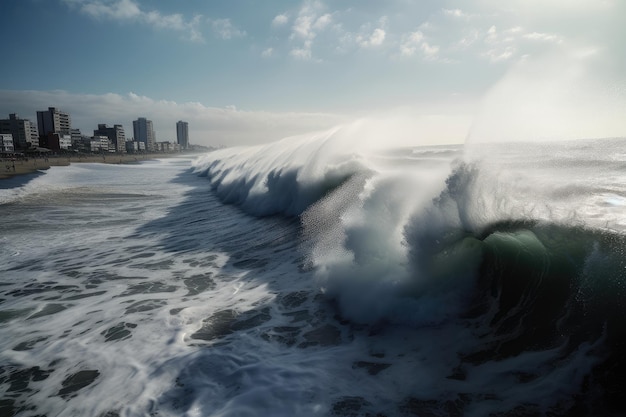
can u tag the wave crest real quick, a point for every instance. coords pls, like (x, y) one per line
(283, 177)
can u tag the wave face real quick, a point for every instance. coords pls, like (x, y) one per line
(514, 253)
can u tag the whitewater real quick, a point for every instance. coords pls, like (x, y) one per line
(338, 273)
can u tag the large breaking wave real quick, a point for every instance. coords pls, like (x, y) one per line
(520, 246)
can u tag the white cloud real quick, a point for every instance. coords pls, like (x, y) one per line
(280, 20)
(459, 14)
(267, 53)
(499, 55)
(430, 52)
(454, 12)
(411, 43)
(415, 41)
(303, 53)
(122, 9)
(556, 8)
(504, 45)
(376, 38)
(225, 29)
(469, 39)
(322, 22)
(302, 27)
(543, 37)
(129, 10)
(310, 22)
(492, 35)
(307, 16)
(207, 125)
(426, 26)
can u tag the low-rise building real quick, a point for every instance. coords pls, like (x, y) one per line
(133, 146)
(56, 141)
(6, 143)
(168, 147)
(100, 144)
(115, 134)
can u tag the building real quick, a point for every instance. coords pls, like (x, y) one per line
(80, 143)
(182, 134)
(100, 143)
(115, 134)
(34, 135)
(24, 132)
(6, 143)
(77, 139)
(168, 147)
(56, 141)
(132, 146)
(142, 128)
(53, 120)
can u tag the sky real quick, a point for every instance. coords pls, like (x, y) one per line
(244, 72)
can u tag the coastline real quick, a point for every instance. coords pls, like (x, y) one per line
(10, 168)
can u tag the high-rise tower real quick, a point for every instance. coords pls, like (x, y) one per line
(54, 129)
(53, 120)
(182, 134)
(142, 128)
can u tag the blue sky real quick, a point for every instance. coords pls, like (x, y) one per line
(250, 71)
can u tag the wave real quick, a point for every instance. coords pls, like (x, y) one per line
(284, 177)
(546, 307)
(426, 236)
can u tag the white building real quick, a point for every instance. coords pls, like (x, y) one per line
(65, 142)
(6, 143)
(99, 144)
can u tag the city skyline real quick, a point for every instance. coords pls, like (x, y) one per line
(53, 129)
(245, 73)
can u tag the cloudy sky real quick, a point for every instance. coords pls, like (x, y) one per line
(251, 71)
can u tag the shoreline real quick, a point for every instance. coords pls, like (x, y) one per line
(10, 168)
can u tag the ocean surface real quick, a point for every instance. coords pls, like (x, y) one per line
(319, 276)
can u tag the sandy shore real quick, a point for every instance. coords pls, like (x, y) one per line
(10, 168)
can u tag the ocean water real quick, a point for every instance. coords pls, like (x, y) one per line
(319, 275)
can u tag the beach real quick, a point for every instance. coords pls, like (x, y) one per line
(10, 167)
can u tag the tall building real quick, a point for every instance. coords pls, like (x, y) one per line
(142, 128)
(53, 120)
(115, 134)
(182, 134)
(24, 131)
